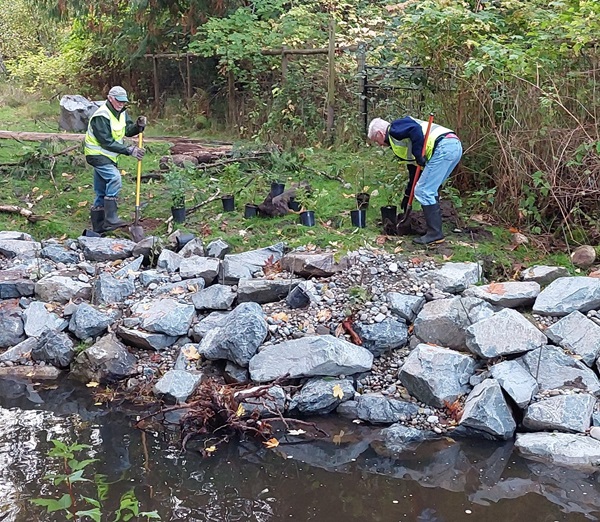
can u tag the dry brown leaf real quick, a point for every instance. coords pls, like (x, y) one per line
(339, 331)
(191, 353)
(323, 315)
(496, 288)
(82, 204)
(92, 384)
(381, 240)
(272, 266)
(281, 316)
(337, 439)
(337, 391)
(271, 443)
(240, 411)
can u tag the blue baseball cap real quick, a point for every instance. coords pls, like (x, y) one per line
(118, 93)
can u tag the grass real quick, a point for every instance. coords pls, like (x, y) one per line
(63, 194)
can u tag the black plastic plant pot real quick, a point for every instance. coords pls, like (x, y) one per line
(307, 218)
(184, 239)
(359, 218)
(277, 188)
(250, 210)
(362, 200)
(178, 214)
(293, 204)
(228, 203)
(297, 298)
(389, 213)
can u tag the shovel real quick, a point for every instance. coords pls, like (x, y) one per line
(404, 218)
(136, 230)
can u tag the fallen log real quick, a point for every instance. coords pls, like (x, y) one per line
(14, 209)
(67, 136)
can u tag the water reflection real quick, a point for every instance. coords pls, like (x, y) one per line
(350, 477)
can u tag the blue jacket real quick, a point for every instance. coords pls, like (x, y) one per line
(406, 127)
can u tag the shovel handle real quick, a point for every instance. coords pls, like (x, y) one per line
(419, 168)
(138, 181)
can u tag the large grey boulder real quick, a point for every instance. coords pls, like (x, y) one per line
(146, 340)
(109, 290)
(60, 254)
(578, 334)
(264, 290)
(454, 278)
(504, 333)
(437, 375)
(554, 369)
(322, 395)
(377, 409)
(20, 352)
(511, 294)
(104, 362)
(247, 264)
(543, 274)
(487, 411)
(37, 318)
(397, 438)
(88, 322)
(195, 266)
(215, 297)
(177, 385)
(75, 112)
(563, 449)
(166, 316)
(567, 294)
(516, 381)
(11, 324)
(208, 323)
(55, 348)
(243, 331)
(381, 337)
(61, 289)
(14, 285)
(405, 306)
(12, 248)
(570, 413)
(310, 265)
(443, 322)
(268, 405)
(105, 248)
(322, 355)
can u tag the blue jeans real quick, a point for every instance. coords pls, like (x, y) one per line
(446, 156)
(107, 183)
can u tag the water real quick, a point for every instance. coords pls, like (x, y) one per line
(346, 477)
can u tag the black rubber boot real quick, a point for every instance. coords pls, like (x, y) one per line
(97, 218)
(111, 219)
(433, 218)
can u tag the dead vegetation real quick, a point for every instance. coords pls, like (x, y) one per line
(217, 413)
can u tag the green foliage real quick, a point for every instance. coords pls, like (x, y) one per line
(230, 178)
(68, 502)
(177, 180)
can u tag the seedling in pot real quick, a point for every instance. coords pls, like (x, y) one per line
(177, 183)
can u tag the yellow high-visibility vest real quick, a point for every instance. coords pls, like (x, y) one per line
(117, 128)
(403, 148)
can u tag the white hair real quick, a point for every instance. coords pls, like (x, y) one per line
(377, 125)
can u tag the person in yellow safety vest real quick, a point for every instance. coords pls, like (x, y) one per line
(103, 144)
(405, 136)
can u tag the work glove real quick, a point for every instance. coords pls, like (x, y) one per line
(141, 122)
(136, 152)
(420, 161)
